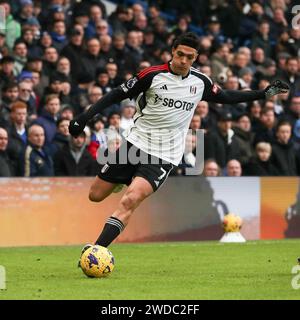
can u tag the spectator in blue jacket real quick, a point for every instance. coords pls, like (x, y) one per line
(49, 116)
(36, 160)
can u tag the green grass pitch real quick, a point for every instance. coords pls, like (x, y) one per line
(185, 270)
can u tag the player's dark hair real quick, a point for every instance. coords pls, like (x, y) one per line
(189, 39)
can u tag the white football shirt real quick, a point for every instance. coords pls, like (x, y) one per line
(165, 104)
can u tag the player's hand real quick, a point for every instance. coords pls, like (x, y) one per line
(276, 87)
(77, 126)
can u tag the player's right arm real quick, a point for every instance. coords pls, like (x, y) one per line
(77, 125)
(129, 89)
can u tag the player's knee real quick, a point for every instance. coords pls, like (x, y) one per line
(92, 197)
(131, 200)
(95, 196)
(127, 202)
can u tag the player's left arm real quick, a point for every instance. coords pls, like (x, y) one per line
(215, 94)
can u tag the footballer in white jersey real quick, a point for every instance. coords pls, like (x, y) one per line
(166, 98)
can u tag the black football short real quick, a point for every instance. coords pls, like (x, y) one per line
(116, 172)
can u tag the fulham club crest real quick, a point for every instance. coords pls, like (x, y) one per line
(193, 89)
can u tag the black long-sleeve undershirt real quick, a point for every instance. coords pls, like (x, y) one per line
(236, 96)
(114, 96)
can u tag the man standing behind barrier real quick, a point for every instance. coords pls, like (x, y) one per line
(36, 160)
